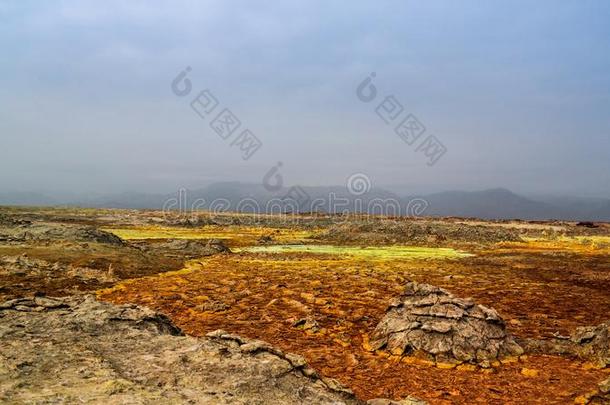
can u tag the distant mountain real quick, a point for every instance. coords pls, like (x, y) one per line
(254, 197)
(124, 200)
(581, 208)
(27, 199)
(496, 203)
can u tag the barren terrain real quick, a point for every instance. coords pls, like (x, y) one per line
(317, 286)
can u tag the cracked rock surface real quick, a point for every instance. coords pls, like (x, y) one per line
(78, 349)
(593, 343)
(590, 343)
(26, 267)
(185, 248)
(430, 322)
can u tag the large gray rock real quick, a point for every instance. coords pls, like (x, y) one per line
(79, 350)
(429, 321)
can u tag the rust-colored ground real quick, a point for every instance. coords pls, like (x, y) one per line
(262, 295)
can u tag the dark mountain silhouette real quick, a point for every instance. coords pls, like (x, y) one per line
(496, 203)
(489, 204)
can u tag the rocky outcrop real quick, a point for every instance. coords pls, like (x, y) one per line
(91, 234)
(80, 350)
(593, 343)
(218, 245)
(27, 267)
(589, 343)
(187, 248)
(46, 231)
(414, 233)
(430, 322)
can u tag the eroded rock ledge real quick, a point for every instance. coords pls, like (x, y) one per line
(78, 349)
(429, 322)
(589, 343)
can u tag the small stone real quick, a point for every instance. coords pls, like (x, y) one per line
(296, 360)
(466, 367)
(529, 372)
(215, 306)
(310, 372)
(308, 324)
(255, 346)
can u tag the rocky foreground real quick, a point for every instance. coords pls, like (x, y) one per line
(78, 349)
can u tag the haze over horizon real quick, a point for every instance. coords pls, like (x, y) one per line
(518, 93)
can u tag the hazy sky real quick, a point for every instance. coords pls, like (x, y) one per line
(518, 92)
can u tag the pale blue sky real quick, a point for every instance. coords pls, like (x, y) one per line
(519, 93)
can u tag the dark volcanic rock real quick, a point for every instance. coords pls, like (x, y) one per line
(95, 235)
(430, 321)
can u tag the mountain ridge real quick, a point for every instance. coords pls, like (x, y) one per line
(494, 203)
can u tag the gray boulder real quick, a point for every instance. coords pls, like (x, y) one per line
(430, 322)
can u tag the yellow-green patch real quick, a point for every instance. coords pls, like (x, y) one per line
(166, 233)
(234, 235)
(373, 253)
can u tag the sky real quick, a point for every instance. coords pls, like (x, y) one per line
(517, 93)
